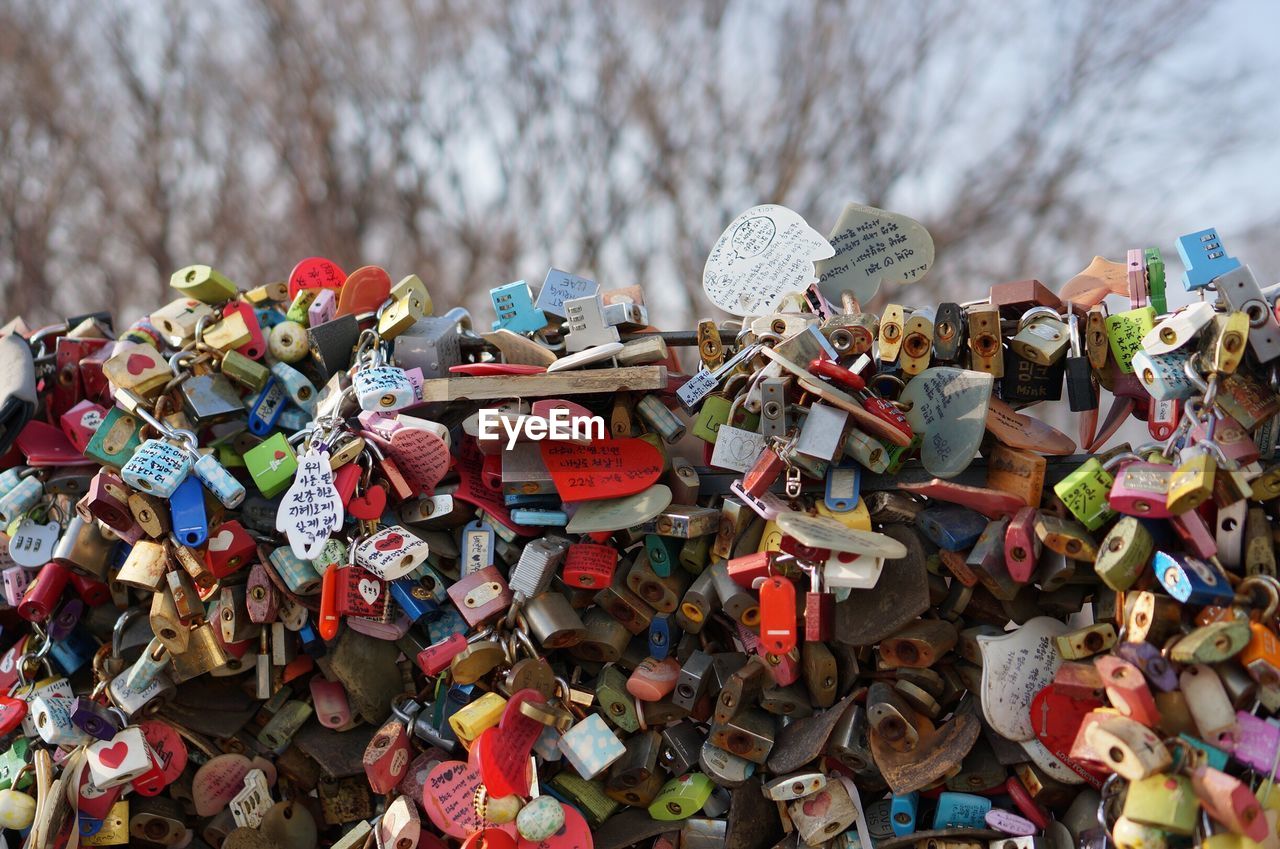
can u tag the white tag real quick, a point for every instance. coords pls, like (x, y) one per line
(311, 508)
(1016, 666)
(737, 449)
(250, 804)
(873, 246)
(32, 544)
(765, 254)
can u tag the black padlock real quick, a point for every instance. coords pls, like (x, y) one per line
(1082, 394)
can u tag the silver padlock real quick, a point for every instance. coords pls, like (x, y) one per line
(433, 343)
(553, 621)
(538, 563)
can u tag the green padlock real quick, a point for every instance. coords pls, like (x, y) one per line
(272, 465)
(116, 439)
(229, 457)
(297, 311)
(244, 371)
(587, 796)
(1165, 801)
(716, 410)
(203, 283)
(1155, 280)
(1085, 491)
(1123, 553)
(616, 704)
(899, 454)
(681, 798)
(695, 553)
(1124, 333)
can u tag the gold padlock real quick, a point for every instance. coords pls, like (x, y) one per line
(204, 653)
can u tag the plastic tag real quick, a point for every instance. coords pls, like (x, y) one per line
(764, 254)
(607, 468)
(311, 509)
(949, 411)
(873, 247)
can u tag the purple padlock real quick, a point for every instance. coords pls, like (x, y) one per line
(65, 619)
(95, 719)
(1155, 666)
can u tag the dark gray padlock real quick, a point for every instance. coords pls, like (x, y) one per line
(210, 398)
(432, 343)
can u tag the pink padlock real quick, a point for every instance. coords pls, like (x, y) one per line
(1141, 490)
(653, 679)
(1022, 545)
(81, 422)
(330, 701)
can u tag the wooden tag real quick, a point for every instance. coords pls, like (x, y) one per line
(1019, 431)
(607, 468)
(764, 254)
(821, 532)
(1015, 667)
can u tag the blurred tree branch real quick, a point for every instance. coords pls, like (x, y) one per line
(474, 144)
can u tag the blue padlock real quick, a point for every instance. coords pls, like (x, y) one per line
(309, 639)
(664, 633)
(1191, 580)
(187, 515)
(540, 518)
(447, 625)
(157, 468)
(902, 813)
(265, 410)
(269, 318)
(531, 501)
(415, 600)
(293, 420)
(1204, 257)
(73, 652)
(951, 527)
(301, 391)
(513, 304)
(961, 810)
(455, 699)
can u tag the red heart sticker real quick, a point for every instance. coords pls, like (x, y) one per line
(114, 755)
(607, 468)
(369, 505)
(504, 759)
(138, 363)
(389, 543)
(279, 455)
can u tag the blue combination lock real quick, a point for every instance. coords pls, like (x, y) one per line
(1204, 258)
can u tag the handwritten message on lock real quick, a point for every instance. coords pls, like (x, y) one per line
(311, 509)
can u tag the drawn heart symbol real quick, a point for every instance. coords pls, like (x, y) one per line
(817, 806)
(138, 363)
(369, 590)
(369, 505)
(279, 455)
(113, 756)
(389, 543)
(221, 541)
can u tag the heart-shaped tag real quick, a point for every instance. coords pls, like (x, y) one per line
(607, 468)
(364, 290)
(766, 253)
(315, 272)
(112, 756)
(420, 448)
(873, 247)
(1056, 719)
(369, 504)
(948, 409)
(370, 589)
(1025, 433)
(472, 489)
(449, 799)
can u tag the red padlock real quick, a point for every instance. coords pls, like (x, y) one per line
(92, 592)
(777, 615)
(436, 657)
(387, 756)
(43, 593)
(589, 566)
(229, 549)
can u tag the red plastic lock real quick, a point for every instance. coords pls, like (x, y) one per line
(777, 615)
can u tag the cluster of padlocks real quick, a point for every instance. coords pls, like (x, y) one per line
(307, 564)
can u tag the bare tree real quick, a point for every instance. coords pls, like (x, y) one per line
(475, 144)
